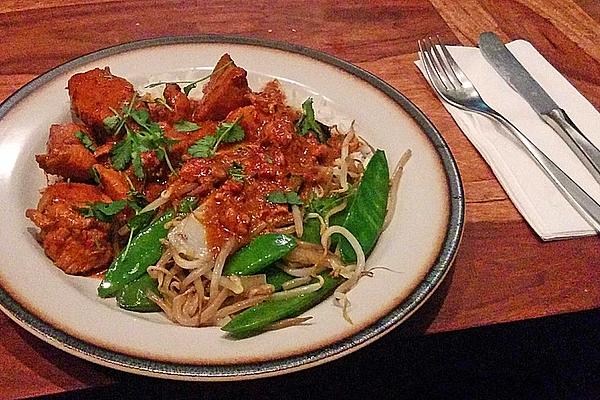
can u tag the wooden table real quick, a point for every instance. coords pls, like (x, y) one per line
(502, 273)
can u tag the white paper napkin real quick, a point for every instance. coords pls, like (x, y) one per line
(533, 194)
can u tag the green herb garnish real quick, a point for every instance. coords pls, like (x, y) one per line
(85, 140)
(103, 211)
(280, 197)
(150, 137)
(95, 176)
(190, 84)
(228, 132)
(308, 123)
(186, 126)
(236, 171)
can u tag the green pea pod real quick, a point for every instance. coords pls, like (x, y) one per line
(366, 214)
(277, 277)
(255, 319)
(144, 250)
(261, 252)
(133, 296)
(322, 206)
(312, 231)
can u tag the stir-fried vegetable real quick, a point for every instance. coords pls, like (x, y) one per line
(134, 297)
(367, 213)
(254, 320)
(258, 254)
(145, 249)
(277, 277)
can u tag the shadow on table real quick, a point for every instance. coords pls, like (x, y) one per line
(555, 357)
(549, 358)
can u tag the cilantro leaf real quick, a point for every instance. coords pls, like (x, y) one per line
(277, 197)
(308, 123)
(95, 175)
(186, 126)
(85, 140)
(191, 84)
(103, 211)
(188, 88)
(141, 117)
(203, 148)
(136, 163)
(111, 123)
(236, 171)
(149, 137)
(293, 198)
(120, 154)
(228, 132)
(280, 197)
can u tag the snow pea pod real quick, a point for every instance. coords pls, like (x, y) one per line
(133, 296)
(277, 277)
(144, 250)
(312, 231)
(367, 213)
(261, 252)
(255, 319)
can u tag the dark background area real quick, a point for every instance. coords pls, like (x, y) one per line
(547, 358)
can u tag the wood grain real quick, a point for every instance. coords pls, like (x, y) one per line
(502, 272)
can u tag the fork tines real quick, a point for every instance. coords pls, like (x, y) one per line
(441, 68)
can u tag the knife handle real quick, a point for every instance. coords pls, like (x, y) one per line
(575, 139)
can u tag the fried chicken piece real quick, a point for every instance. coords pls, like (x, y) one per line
(76, 244)
(226, 90)
(179, 106)
(198, 177)
(113, 182)
(66, 155)
(94, 93)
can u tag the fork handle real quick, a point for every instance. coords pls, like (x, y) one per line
(575, 139)
(579, 199)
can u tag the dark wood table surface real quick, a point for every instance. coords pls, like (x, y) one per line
(503, 272)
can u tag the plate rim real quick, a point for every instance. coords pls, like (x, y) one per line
(418, 296)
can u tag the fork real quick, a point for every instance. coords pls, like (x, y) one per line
(452, 85)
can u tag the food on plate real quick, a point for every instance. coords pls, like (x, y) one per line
(228, 208)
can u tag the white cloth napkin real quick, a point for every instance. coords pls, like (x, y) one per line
(533, 194)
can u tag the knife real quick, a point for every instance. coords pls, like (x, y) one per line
(511, 70)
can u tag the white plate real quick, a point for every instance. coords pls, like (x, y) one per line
(417, 249)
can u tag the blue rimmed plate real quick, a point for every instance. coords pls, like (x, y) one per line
(416, 250)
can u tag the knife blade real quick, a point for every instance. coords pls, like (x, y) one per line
(511, 70)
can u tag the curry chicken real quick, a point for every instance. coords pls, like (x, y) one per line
(81, 154)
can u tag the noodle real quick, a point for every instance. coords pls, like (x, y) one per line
(299, 272)
(395, 182)
(218, 268)
(333, 211)
(284, 323)
(193, 276)
(296, 282)
(297, 220)
(286, 294)
(240, 305)
(161, 200)
(343, 171)
(209, 313)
